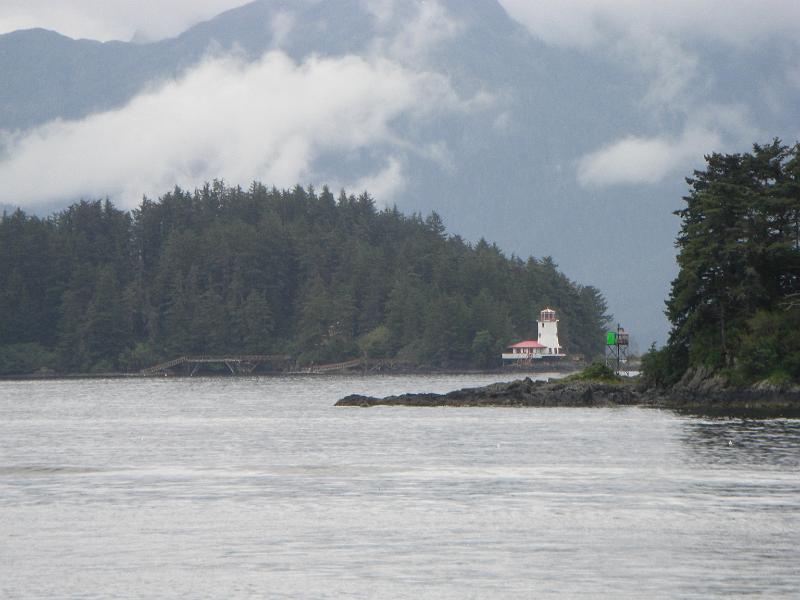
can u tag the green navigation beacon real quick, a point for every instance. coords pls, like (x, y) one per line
(617, 349)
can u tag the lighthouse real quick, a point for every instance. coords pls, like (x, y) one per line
(548, 332)
(545, 347)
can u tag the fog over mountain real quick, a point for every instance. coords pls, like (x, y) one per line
(553, 129)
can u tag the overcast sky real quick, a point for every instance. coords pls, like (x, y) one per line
(281, 118)
(666, 43)
(565, 22)
(277, 116)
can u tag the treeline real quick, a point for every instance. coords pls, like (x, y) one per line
(735, 304)
(263, 271)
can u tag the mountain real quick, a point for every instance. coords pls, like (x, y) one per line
(502, 165)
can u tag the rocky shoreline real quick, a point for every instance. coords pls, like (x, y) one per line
(698, 396)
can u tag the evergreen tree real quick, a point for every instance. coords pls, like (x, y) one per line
(739, 260)
(227, 270)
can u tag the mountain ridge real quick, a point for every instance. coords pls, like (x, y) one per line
(507, 172)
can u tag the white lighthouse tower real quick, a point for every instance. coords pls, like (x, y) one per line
(548, 333)
(546, 347)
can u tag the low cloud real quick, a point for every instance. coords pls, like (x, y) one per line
(431, 25)
(645, 159)
(649, 159)
(384, 184)
(282, 25)
(676, 80)
(668, 43)
(271, 120)
(408, 31)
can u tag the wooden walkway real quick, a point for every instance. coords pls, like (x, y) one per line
(237, 364)
(241, 364)
(342, 366)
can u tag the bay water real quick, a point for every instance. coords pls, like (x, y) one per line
(260, 487)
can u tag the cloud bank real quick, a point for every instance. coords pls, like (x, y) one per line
(427, 26)
(105, 20)
(667, 42)
(644, 160)
(270, 120)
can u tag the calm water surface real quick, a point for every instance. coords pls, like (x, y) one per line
(223, 488)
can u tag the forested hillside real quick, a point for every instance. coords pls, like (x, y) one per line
(260, 271)
(735, 305)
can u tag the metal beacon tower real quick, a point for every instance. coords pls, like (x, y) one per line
(617, 348)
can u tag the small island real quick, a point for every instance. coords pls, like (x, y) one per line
(575, 390)
(703, 393)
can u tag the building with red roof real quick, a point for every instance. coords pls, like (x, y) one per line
(546, 347)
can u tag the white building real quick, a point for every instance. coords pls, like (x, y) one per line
(526, 350)
(546, 346)
(548, 332)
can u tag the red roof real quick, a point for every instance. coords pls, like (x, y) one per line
(527, 344)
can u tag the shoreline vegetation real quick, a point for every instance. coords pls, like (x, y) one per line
(323, 280)
(734, 346)
(734, 306)
(260, 271)
(565, 367)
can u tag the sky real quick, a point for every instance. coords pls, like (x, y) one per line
(282, 116)
(663, 42)
(565, 22)
(351, 105)
(670, 44)
(279, 117)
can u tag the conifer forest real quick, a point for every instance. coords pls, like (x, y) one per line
(264, 271)
(735, 304)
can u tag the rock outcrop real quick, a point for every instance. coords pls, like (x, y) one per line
(524, 392)
(702, 391)
(698, 394)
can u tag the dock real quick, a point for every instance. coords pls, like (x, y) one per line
(245, 365)
(237, 364)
